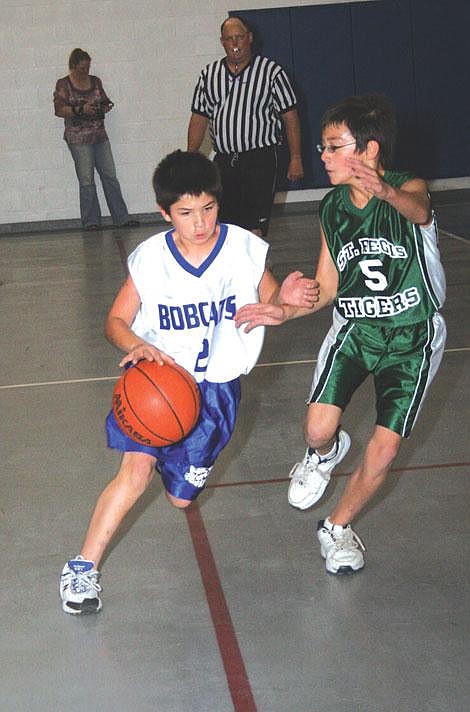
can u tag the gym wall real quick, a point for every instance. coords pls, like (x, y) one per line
(149, 53)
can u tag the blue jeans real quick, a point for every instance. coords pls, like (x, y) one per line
(87, 157)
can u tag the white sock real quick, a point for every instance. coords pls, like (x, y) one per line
(328, 524)
(328, 455)
(332, 452)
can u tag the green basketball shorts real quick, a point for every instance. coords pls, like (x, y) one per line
(403, 361)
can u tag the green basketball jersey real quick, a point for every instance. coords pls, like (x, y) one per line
(389, 268)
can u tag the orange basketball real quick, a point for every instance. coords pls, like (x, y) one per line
(156, 405)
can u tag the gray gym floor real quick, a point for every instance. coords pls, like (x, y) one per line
(226, 606)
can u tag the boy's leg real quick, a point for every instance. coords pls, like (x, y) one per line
(340, 546)
(115, 501)
(337, 376)
(183, 482)
(79, 587)
(367, 479)
(177, 502)
(320, 427)
(327, 445)
(402, 377)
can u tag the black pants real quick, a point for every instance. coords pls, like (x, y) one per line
(248, 184)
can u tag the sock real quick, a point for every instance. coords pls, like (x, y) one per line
(328, 455)
(328, 524)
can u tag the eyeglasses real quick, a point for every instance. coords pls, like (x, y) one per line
(332, 149)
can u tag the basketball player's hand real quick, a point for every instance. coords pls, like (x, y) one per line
(147, 352)
(369, 179)
(253, 315)
(299, 291)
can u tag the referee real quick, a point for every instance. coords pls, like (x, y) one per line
(245, 99)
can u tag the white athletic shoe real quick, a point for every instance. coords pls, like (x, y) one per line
(311, 476)
(79, 588)
(341, 548)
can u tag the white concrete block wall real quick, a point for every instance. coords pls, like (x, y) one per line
(148, 54)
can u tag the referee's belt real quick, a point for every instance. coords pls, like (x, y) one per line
(234, 156)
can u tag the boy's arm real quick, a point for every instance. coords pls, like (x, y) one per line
(411, 200)
(272, 311)
(118, 331)
(296, 290)
(326, 275)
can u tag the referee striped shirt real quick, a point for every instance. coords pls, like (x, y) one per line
(243, 109)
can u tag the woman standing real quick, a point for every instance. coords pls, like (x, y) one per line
(79, 98)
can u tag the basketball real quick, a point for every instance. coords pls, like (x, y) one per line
(156, 405)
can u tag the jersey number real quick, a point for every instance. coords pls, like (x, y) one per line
(375, 279)
(203, 355)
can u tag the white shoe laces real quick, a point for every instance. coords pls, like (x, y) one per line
(83, 582)
(302, 470)
(309, 465)
(348, 539)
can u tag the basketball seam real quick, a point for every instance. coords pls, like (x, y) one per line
(129, 404)
(196, 398)
(179, 375)
(165, 397)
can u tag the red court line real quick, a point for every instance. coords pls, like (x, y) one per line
(235, 671)
(237, 678)
(276, 480)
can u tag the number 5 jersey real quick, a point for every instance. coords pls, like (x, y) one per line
(389, 269)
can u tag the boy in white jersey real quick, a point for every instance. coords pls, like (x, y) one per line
(379, 265)
(178, 304)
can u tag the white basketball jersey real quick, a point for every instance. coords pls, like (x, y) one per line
(188, 312)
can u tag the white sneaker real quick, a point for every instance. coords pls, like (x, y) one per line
(341, 548)
(79, 588)
(311, 476)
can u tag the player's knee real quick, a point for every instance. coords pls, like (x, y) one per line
(385, 450)
(177, 501)
(139, 480)
(137, 470)
(144, 478)
(321, 424)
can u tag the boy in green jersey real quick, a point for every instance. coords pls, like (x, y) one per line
(379, 266)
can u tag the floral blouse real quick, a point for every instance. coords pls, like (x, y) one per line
(82, 128)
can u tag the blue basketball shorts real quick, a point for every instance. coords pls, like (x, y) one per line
(402, 360)
(184, 466)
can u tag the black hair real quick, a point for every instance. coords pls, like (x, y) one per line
(235, 17)
(370, 117)
(185, 172)
(78, 55)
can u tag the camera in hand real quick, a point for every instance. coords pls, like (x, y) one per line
(100, 109)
